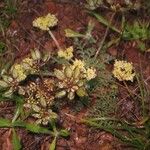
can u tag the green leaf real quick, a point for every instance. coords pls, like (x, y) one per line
(53, 145)
(2, 47)
(53, 124)
(105, 22)
(72, 34)
(16, 141)
(9, 93)
(90, 26)
(8, 123)
(81, 92)
(16, 115)
(114, 41)
(3, 84)
(36, 55)
(142, 46)
(19, 123)
(136, 31)
(37, 129)
(19, 100)
(64, 133)
(5, 122)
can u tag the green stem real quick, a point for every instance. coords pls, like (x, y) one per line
(17, 113)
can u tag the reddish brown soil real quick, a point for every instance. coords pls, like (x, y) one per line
(70, 15)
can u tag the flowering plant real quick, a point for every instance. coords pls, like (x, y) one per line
(40, 94)
(66, 54)
(123, 71)
(72, 79)
(45, 22)
(20, 70)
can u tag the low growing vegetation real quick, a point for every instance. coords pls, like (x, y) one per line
(93, 73)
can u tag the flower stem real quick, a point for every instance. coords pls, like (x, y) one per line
(55, 40)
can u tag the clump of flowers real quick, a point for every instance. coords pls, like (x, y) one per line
(77, 63)
(12, 78)
(69, 81)
(27, 63)
(44, 116)
(90, 73)
(123, 71)
(10, 84)
(66, 54)
(20, 70)
(45, 22)
(72, 79)
(39, 97)
(41, 93)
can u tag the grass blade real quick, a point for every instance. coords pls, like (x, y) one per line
(5, 122)
(37, 129)
(16, 141)
(53, 145)
(102, 20)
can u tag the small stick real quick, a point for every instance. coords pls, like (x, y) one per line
(105, 35)
(132, 91)
(55, 40)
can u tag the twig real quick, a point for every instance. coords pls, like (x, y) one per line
(31, 36)
(38, 42)
(105, 35)
(74, 118)
(133, 91)
(54, 39)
